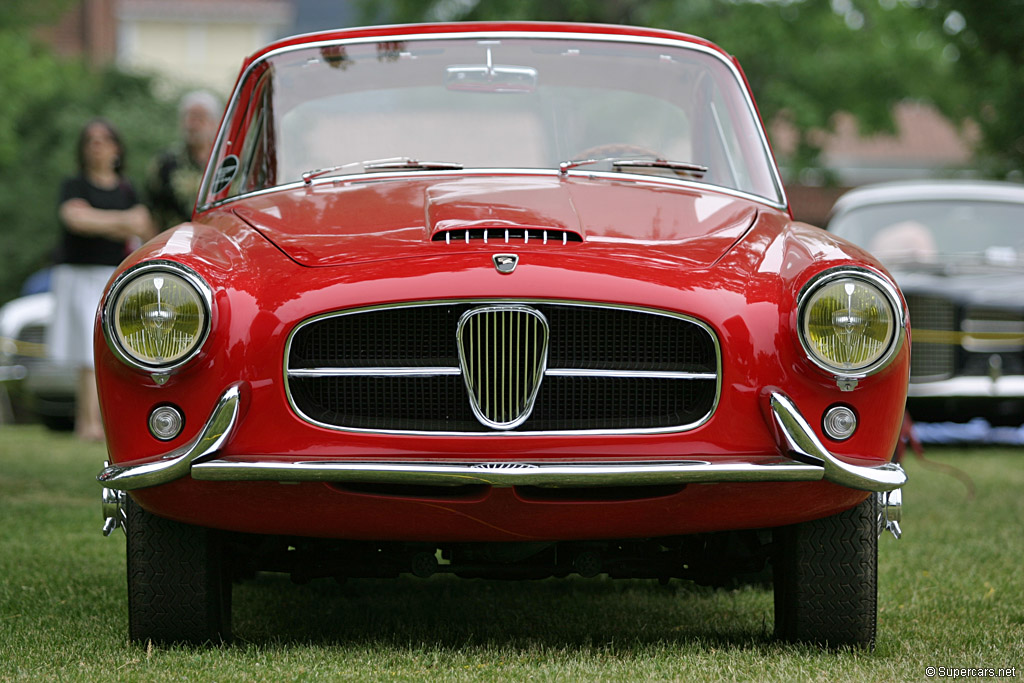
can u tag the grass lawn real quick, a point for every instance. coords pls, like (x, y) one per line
(951, 594)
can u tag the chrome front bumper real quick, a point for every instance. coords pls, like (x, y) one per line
(805, 459)
(1008, 386)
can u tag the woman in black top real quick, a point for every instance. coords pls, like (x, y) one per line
(101, 220)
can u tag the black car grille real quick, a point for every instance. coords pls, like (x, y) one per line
(606, 368)
(933, 322)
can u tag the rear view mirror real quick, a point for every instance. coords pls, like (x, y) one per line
(490, 77)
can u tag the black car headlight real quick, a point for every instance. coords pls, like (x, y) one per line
(851, 321)
(157, 315)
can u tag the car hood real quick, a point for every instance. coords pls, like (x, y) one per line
(373, 219)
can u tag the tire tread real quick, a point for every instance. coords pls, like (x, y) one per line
(826, 579)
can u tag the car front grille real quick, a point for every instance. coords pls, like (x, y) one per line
(485, 367)
(32, 346)
(933, 322)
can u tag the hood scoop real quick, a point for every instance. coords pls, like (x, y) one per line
(506, 235)
(501, 211)
(373, 221)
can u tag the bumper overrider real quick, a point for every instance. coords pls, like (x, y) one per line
(805, 459)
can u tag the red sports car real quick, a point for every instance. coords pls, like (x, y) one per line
(506, 300)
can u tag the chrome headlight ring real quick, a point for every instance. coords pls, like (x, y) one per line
(161, 293)
(872, 301)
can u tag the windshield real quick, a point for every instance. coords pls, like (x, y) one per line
(936, 231)
(469, 103)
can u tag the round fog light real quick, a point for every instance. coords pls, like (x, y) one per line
(840, 422)
(166, 422)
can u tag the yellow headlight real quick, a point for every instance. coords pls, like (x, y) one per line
(158, 318)
(848, 324)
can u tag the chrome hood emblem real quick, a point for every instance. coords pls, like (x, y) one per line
(503, 353)
(505, 263)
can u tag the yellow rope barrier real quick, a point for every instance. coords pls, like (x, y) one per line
(23, 348)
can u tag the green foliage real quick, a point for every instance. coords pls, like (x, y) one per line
(985, 38)
(20, 14)
(44, 101)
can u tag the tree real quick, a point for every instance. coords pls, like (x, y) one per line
(985, 40)
(44, 101)
(806, 60)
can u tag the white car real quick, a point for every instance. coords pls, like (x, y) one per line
(36, 385)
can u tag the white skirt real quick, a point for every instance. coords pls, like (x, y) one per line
(77, 290)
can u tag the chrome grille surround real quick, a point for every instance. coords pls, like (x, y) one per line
(430, 378)
(502, 389)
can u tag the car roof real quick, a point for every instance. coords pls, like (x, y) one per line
(923, 190)
(567, 29)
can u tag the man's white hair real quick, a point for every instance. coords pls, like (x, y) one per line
(200, 98)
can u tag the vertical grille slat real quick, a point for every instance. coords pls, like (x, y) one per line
(520, 367)
(502, 390)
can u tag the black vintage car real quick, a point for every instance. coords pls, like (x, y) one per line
(956, 249)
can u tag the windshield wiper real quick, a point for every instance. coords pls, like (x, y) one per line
(389, 164)
(679, 166)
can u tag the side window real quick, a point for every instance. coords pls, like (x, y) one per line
(258, 167)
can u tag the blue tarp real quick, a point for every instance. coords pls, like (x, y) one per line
(977, 431)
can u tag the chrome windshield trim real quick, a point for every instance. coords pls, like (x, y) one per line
(780, 201)
(178, 463)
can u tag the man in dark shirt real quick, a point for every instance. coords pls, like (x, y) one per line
(175, 175)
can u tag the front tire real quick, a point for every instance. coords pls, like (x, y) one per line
(179, 588)
(826, 579)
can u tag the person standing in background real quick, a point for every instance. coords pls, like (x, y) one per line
(101, 219)
(175, 175)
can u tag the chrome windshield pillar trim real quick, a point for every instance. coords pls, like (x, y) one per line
(552, 475)
(802, 444)
(177, 463)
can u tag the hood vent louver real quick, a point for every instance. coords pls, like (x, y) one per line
(500, 235)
